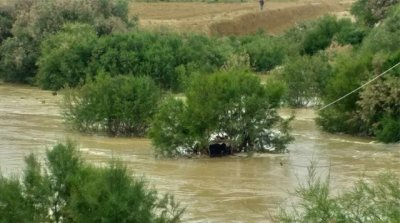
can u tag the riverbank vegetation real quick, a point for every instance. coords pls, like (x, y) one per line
(367, 201)
(317, 61)
(67, 189)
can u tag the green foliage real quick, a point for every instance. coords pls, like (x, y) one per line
(350, 33)
(65, 57)
(314, 36)
(265, 52)
(373, 110)
(18, 56)
(166, 57)
(38, 19)
(12, 203)
(367, 202)
(370, 12)
(379, 108)
(383, 37)
(349, 72)
(229, 102)
(320, 35)
(388, 130)
(306, 78)
(77, 192)
(170, 128)
(122, 105)
(7, 18)
(36, 190)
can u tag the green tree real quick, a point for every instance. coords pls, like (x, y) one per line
(169, 130)
(265, 52)
(12, 202)
(65, 57)
(320, 35)
(370, 12)
(371, 111)
(38, 19)
(349, 72)
(166, 57)
(121, 105)
(36, 190)
(7, 18)
(229, 102)
(306, 78)
(379, 108)
(78, 192)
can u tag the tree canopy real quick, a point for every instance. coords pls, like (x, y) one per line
(232, 104)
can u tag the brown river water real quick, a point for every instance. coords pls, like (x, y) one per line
(229, 189)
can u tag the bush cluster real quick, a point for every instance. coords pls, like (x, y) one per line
(67, 189)
(373, 110)
(122, 105)
(306, 78)
(230, 104)
(33, 21)
(74, 53)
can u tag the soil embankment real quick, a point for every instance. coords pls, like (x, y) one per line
(233, 18)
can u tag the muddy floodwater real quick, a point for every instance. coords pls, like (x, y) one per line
(229, 189)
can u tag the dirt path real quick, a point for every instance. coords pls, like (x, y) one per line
(233, 18)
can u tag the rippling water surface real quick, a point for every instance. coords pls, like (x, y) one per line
(229, 189)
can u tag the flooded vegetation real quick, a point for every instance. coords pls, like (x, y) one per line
(198, 96)
(229, 189)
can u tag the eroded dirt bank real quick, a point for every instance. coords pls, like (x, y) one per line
(233, 18)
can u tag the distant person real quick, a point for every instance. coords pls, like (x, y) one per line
(261, 4)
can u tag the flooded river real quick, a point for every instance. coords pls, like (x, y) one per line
(230, 189)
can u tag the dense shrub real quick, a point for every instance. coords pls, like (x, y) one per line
(65, 57)
(350, 33)
(121, 105)
(379, 108)
(7, 18)
(306, 78)
(384, 37)
(349, 72)
(388, 130)
(313, 36)
(369, 202)
(69, 190)
(320, 35)
(168, 58)
(370, 12)
(265, 52)
(36, 20)
(231, 103)
(374, 109)
(18, 56)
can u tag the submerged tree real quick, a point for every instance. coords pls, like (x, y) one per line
(306, 78)
(121, 105)
(69, 190)
(229, 104)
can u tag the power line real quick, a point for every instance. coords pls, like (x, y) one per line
(373, 79)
